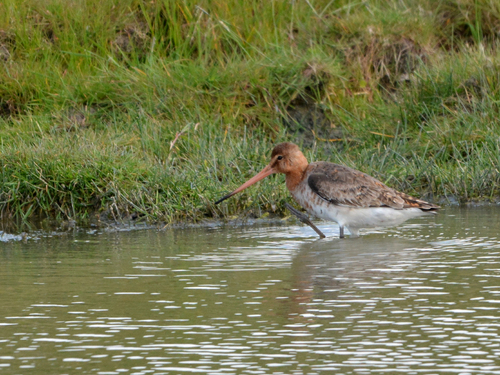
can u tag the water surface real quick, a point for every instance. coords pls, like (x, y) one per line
(423, 298)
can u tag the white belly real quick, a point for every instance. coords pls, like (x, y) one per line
(370, 217)
(354, 218)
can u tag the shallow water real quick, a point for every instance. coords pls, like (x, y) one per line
(420, 298)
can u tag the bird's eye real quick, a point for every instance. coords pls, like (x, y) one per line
(280, 157)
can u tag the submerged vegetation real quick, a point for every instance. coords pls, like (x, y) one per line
(154, 109)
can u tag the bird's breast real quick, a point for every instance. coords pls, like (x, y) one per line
(313, 203)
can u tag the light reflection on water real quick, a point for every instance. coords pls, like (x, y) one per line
(421, 298)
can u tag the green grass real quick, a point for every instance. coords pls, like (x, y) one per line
(155, 109)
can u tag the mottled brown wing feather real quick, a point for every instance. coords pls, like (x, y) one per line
(345, 186)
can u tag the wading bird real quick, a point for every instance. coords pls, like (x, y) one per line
(334, 192)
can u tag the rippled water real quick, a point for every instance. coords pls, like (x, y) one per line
(421, 298)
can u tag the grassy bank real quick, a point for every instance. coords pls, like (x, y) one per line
(128, 109)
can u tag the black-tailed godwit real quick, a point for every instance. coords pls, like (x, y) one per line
(334, 192)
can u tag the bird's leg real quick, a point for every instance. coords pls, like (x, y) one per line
(304, 219)
(341, 234)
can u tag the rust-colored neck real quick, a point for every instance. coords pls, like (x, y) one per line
(295, 176)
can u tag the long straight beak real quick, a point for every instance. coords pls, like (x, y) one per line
(259, 176)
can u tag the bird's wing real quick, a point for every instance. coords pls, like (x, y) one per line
(344, 186)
